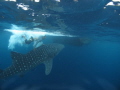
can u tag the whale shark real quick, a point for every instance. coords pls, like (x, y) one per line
(22, 63)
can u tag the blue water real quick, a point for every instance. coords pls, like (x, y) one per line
(94, 66)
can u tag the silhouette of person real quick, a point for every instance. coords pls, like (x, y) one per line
(37, 41)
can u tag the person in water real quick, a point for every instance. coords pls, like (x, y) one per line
(37, 41)
(28, 41)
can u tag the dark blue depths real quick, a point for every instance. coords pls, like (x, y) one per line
(90, 67)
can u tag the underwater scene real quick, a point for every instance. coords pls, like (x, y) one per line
(59, 44)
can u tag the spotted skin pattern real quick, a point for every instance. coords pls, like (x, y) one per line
(25, 62)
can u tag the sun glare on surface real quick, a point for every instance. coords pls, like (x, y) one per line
(116, 0)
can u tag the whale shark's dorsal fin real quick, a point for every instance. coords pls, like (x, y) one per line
(16, 56)
(48, 65)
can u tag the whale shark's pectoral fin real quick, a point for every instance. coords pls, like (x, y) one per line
(48, 66)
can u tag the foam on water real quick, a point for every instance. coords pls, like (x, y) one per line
(17, 33)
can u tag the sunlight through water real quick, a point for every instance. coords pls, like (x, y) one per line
(17, 33)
